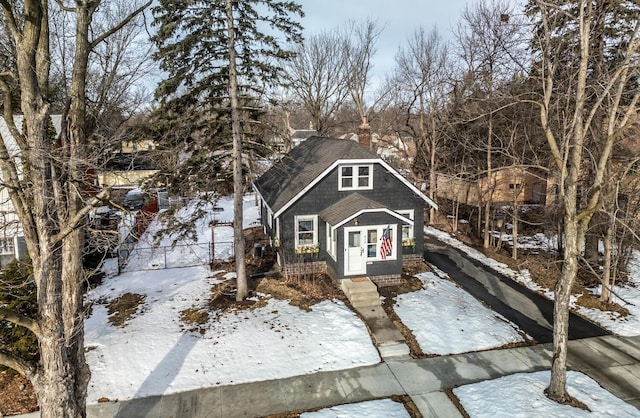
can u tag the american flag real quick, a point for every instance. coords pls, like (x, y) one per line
(387, 244)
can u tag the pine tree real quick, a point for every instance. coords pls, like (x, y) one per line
(219, 55)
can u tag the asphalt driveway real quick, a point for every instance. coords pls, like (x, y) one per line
(532, 312)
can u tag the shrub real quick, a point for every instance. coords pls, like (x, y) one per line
(18, 293)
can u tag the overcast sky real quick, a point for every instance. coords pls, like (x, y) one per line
(400, 18)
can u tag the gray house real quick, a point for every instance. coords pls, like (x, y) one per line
(332, 205)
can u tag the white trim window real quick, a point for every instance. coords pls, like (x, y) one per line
(7, 246)
(306, 231)
(355, 177)
(373, 243)
(407, 230)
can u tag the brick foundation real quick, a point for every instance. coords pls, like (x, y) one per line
(301, 269)
(411, 259)
(321, 267)
(388, 280)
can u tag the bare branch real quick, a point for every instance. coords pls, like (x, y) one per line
(25, 368)
(120, 25)
(11, 19)
(21, 320)
(64, 7)
(79, 216)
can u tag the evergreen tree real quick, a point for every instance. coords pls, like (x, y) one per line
(219, 55)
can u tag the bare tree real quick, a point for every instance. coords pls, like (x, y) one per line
(318, 79)
(423, 74)
(359, 43)
(490, 41)
(569, 108)
(48, 189)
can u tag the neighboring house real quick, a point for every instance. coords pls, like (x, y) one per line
(298, 136)
(12, 242)
(295, 138)
(127, 169)
(392, 148)
(507, 185)
(334, 206)
(128, 147)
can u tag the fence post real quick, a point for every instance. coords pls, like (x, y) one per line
(212, 225)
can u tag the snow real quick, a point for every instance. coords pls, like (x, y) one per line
(536, 241)
(385, 408)
(156, 353)
(469, 325)
(519, 394)
(626, 296)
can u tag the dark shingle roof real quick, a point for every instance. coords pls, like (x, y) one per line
(347, 207)
(141, 160)
(304, 164)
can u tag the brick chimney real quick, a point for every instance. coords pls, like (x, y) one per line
(364, 134)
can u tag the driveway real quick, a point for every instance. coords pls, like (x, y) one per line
(532, 312)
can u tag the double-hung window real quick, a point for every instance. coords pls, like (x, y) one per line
(407, 230)
(355, 177)
(306, 230)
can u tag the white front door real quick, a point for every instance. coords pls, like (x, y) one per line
(355, 250)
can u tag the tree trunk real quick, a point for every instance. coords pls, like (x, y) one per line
(514, 250)
(432, 171)
(64, 374)
(487, 208)
(557, 387)
(605, 294)
(238, 182)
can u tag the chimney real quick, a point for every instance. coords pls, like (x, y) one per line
(364, 134)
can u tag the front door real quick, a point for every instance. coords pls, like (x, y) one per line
(355, 262)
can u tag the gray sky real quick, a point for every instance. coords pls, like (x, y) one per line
(400, 19)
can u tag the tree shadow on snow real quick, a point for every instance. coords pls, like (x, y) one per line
(158, 380)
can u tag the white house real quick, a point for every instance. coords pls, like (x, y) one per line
(12, 243)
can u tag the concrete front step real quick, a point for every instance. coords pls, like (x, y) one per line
(354, 297)
(366, 304)
(361, 292)
(396, 349)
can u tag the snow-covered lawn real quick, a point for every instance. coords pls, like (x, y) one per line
(385, 408)
(154, 354)
(628, 296)
(522, 396)
(447, 320)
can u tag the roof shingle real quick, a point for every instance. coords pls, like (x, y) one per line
(347, 207)
(306, 162)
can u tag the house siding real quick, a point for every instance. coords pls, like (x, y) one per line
(387, 190)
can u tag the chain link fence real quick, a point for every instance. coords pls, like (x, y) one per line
(132, 257)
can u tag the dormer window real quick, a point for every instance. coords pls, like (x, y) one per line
(355, 177)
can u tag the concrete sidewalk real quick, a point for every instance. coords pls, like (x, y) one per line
(422, 379)
(613, 361)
